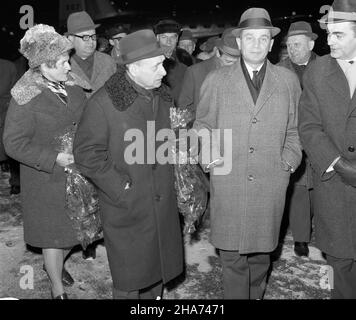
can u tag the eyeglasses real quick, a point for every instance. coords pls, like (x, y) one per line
(86, 37)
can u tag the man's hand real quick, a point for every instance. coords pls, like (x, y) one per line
(347, 171)
(64, 159)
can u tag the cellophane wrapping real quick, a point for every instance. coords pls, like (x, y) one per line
(190, 182)
(81, 197)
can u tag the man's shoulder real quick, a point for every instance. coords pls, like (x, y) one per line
(103, 57)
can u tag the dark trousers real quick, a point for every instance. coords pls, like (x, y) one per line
(14, 172)
(244, 276)
(151, 292)
(300, 213)
(344, 277)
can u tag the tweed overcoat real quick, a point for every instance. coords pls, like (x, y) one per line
(34, 121)
(247, 204)
(193, 78)
(104, 67)
(327, 128)
(141, 225)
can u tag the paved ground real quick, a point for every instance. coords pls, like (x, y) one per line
(291, 277)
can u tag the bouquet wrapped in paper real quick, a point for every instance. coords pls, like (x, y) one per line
(81, 198)
(190, 182)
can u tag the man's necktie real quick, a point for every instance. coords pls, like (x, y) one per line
(58, 89)
(255, 80)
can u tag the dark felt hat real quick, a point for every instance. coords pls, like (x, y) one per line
(187, 35)
(139, 45)
(301, 28)
(80, 21)
(255, 18)
(227, 43)
(167, 26)
(115, 30)
(340, 11)
(209, 44)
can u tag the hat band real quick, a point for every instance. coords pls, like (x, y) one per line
(255, 22)
(140, 52)
(230, 51)
(340, 15)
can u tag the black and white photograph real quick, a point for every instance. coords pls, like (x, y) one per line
(178, 150)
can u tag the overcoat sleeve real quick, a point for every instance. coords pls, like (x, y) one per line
(20, 127)
(316, 143)
(91, 155)
(292, 152)
(186, 96)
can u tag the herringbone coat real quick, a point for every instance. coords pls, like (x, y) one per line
(247, 204)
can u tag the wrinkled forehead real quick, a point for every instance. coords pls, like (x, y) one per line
(299, 38)
(256, 32)
(168, 35)
(339, 27)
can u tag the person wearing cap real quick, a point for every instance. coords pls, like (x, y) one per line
(93, 66)
(227, 53)
(300, 44)
(327, 113)
(167, 33)
(187, 41)
(256, 102)
(115, 34)
(136, 197)
(46, 102)
(208, 48)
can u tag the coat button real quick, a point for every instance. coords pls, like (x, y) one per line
(158, 198)
(250, 177)
(351, 148)
(251, 150)
(254, 120)
(74, 123)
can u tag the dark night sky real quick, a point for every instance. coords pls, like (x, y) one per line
(47, 11)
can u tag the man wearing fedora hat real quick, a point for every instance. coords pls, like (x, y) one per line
(208, 48)
(327, 113)
(257, 102)
(227, 53)
(137, 200)
(167, 33)
(300, 44)
(93, 66)
(187, 41)
(115, 34)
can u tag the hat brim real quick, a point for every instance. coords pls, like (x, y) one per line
(274, 30)
(337, 17)
(155, 53)
(312, 35)
(235, 53)
(68, 33)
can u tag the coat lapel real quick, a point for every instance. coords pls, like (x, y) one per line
(78, 70)
(244, 92)
(268, 87)
(336, 80)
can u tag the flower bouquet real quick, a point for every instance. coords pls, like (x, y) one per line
(81, 198)
(190, 182)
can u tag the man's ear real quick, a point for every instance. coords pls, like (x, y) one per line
(132, 68)
(311, 44)
(70, 38)
(238, 40)
(271, 45)
(111, 42)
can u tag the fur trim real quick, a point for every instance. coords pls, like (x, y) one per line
(31, 84)
(123, 94)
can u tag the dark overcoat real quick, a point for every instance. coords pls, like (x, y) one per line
(303, 175)
(247, 202)
(141, 225)
(35, 119)
(8, 77)
(327, 128)
(192, 81)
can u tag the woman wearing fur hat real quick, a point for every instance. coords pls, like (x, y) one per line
(46, 101)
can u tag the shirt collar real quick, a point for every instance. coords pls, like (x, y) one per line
(250, 69)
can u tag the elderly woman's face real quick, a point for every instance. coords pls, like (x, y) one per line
(60, 71)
